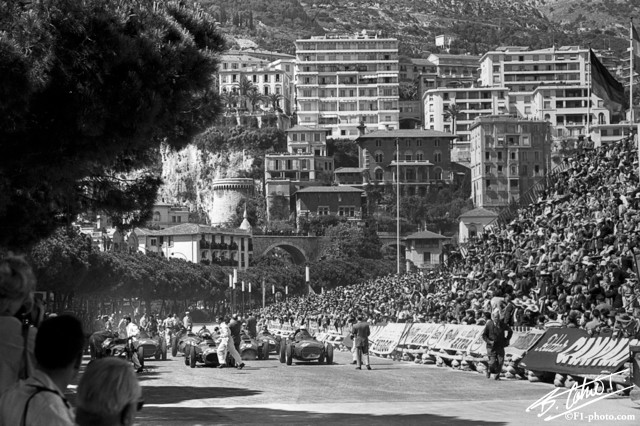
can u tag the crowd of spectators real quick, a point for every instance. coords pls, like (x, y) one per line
(568, 259)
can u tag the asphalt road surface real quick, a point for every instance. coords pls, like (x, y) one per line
(403, 393)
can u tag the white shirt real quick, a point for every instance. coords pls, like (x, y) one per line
(132, 330)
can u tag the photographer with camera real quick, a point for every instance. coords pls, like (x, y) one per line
(18, 320)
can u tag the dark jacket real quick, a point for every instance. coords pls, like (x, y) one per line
(361, 334)
(235, 327)
(494, 335)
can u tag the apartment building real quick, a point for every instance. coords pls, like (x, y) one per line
(509, 155)
(268, 77)
(342, 80)
(424, 159)
(468, 104)
(543, 81)
(305, 163)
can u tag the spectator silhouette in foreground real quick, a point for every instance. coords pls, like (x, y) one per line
(40, 400)
(108, 394)
(17, 283)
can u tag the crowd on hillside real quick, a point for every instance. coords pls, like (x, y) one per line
(566, 260)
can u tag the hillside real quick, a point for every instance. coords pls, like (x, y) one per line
(479, 25)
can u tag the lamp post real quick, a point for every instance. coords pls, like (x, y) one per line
(306, 278)
(235, 281)
(250, 307)
(231, 293)
(243, 299)
(398, 204)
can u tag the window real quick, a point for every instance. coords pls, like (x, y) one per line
(379, 175)
(487, 169)
(153, 242)
(487, 156)
(488, 183)
(513, 183)
(294, 137)
(514, 155)
(379, 157)
(418, 143)
(437, 157)
(436, 142)
(514, 170)
(524, 169)
(426, 257)
(419, 156)
(347, 211)
(378, 142)
(408, 156)
(323, 211)
(536, 155)
(499, 156)
(173, 219)
(316, 137)
(536, 169)
(156, 216)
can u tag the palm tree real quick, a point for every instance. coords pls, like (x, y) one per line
(254, 96)
(244, 87)
(228, 99)
(274, 100)
(452, 113)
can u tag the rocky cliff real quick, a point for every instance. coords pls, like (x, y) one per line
(188, 174)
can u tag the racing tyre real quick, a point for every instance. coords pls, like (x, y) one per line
(192, 357)
(141, 356)
(265, 350)
(289, 354)
(174, 347)
(329, 355)
(281, 352)
(163, 350)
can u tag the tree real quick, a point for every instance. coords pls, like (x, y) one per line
(274, 100)
(245, 86)
(88, 90)
(254, 97)
(452, 113)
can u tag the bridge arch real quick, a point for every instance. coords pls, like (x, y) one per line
(298, 254)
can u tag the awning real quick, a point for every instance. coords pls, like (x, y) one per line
(369, 76)
(388, 75)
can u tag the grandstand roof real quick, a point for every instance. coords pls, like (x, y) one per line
(478, 212)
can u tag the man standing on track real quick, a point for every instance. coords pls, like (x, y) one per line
(494, 336)
(225, 343)
(361, 334)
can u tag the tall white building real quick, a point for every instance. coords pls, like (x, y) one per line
(471, 103)
(546, 84)
(342, 80)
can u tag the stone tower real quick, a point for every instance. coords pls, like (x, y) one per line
(227, 194)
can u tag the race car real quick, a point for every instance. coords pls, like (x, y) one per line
(301, 346)
(96, 341)
(118, 347)
(251, 349)
(181, 341)
(200, 349)
(273, 341)
(153, 347)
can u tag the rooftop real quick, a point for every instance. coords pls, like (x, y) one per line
(325, 189)
(406, 133)
(478, 212)
(425, 235)
(349, 170)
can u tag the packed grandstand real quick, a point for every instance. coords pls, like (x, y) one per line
(566, 261)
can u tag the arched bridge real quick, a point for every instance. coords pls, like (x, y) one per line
(302, 249)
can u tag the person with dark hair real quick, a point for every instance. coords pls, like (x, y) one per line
(17, 338)
(225, 344)
(40, 400)
(494, 336)
(361, 334)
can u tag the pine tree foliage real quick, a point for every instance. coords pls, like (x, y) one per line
(88, 90)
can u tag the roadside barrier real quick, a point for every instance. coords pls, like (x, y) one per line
(560, 355)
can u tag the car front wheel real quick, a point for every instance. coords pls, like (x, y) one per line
(329, 354)
(192, 357)
(289, 354)
(265, 350)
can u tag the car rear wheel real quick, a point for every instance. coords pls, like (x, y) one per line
(186, 357)
(192, 357)
(174, 346)
(329, 354)
(289, 354)
(141, 356)
(282, 354)
(265, 350)
(163, 350)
